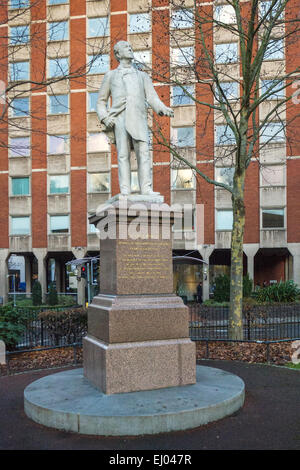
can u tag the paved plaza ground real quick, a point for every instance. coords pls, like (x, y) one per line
(270, 418)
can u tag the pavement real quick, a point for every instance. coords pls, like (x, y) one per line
(269, 419)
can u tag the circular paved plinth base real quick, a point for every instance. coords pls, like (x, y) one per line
(67, 401)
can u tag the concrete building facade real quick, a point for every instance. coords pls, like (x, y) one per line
(56, 166)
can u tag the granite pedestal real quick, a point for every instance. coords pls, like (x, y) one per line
(138, 330)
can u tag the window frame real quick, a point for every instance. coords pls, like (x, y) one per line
(228, 44)
(173, 179)
(12, 179)
(50, 177)
(89, 178)
(60, 39)
(29, 147)
(217, 211)
(270, 208)
(58, 114)
(13, 217)
(106, 30)
(15, 27)
(59, 233)
(12, 108)
(23, 79)
(131, 15)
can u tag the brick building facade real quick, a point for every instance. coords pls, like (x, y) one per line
(56, 167)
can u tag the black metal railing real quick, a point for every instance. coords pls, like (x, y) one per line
(39, 333)
(260, 322)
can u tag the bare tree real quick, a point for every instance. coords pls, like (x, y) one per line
(232, 85)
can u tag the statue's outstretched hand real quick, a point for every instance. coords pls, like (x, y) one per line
(166, 112)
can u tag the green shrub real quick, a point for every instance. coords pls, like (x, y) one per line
(12, 325)
(247, 286)
(69, 324)
(52, 296)
(222, 288)
(286, 291)
(37, 293)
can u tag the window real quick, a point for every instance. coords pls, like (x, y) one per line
(57, 2)
(225, 175)
(20, 226)
(19, 71)
(58, 144)
(273, 89)
(98, 63)
(226, 53)
(58, 67)
(58, 31)
(98, 27)
(19, 147)
(224, 220)
(59, 224)
(139, 23)
(19, 35)
(224, 135)
(273, 175)
(98, 182)
(182, 18)
(179, 96)
(230, 91)
(20, 186)
(141, 59)
(16, 4)
(274, 50)
(59, 184)
(184, 136)
(225, 14)
(269, 10)
(59, 104)
(97, 142)
(182, 178)
(272, 218)
(272, 132)
(20, 107)
(93, 96)
(183, 56)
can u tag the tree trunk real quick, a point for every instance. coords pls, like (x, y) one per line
(236, 278)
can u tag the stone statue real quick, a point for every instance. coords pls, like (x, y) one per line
(126, 119)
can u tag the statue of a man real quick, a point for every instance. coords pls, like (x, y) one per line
(129, 89)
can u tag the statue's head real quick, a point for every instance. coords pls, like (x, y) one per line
(123, 50)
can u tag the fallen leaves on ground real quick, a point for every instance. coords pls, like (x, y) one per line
(279, 353)
(42, 360)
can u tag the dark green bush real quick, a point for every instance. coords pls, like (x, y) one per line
(247, 286)
(12, 325)
(222, 289)
(52, 296)
(286, 291)
(69, 325)
(37, 293)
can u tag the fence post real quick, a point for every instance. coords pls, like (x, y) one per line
(42, 332)
(268, 352)
(75, 353)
